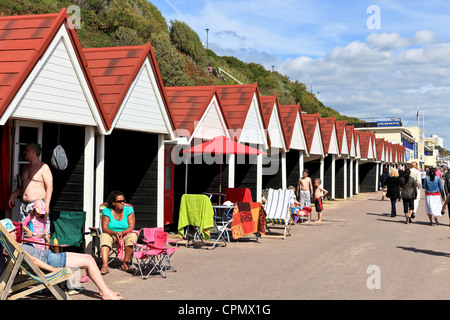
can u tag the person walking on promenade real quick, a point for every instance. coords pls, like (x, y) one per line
(393, 190)
(383, 178)
(409, 193)
(433, 193)
(416, 175)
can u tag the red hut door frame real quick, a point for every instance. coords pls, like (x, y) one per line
(169, 170)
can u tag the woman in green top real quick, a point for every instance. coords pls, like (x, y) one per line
(118, 223)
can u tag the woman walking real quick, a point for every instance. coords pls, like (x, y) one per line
(416, 175)
(408, 192)
(433, 192)
(393, 190)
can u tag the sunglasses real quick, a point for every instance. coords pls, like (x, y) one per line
(120, 201)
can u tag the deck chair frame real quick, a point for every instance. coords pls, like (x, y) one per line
(19, 260)
(278, 213)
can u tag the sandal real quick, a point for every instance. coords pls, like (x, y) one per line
(125, 267)
(104, 270)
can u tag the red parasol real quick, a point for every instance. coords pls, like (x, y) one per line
(223, 145)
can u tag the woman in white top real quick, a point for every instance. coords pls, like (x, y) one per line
(415, 173)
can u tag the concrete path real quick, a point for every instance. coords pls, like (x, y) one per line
(357, 252)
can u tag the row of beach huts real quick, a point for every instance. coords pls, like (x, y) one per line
(119, 126)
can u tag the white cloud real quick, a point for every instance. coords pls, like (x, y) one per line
(384, 76)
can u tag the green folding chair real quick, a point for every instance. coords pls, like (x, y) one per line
(68, 228)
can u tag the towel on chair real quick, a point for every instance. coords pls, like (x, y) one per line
(248, 218)
(196, 210)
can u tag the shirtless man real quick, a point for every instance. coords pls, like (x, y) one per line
(306, 189)
(37, 182)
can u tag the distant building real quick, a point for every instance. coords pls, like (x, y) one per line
(438, 141)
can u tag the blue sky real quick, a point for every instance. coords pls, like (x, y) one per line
(388, 71)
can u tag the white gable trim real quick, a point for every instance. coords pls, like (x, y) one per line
(275, 130)
(344, 144)
(358, 149)
(317, 145)
(298, 140)
(253, 130)
(334, 146)
(135, 112)
(20, 106)
(212, 123)
(352, 147)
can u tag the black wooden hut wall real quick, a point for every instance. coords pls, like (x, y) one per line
(293, 168)
(274, 181)
(246, 173)
(68, 185)
(314, 168)
(131, 166)
(339, 178)
(367, 176)
(349, 178)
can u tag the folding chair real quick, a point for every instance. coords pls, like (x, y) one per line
(152, 256)
(21, 239)
(68, 227)
(36, 280)
(95, 234)
(278, 210)
(196, 211)
(149, 236)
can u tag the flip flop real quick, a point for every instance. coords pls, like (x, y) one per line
(126, 268)
(104, 270)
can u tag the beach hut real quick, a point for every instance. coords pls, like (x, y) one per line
(242, 108)
(291, 116)
(368, 169)
(357, 161)
(341, 166)
(331, 152)
(274, 164)
(197, 116)
(314, 161)
(381, 156)
(131, 158)
(47, 96)
(350, 133)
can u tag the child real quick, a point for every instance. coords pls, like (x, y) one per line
(305, 188)
(319, 193)
(34, 225)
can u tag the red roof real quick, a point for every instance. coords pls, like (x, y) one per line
(236, 101)
(23, 41)
(309, 125)
(114, 69)
(364, 143)
(288, 116)
(188, 104)
(380, 146)
(326, 126)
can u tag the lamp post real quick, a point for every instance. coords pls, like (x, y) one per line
(207, 30)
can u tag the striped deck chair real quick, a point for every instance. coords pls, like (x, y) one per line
(278, 210)
(35, 279)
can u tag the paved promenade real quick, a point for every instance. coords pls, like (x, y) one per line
(357, 252)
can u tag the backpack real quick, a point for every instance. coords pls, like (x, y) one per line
(59, 158)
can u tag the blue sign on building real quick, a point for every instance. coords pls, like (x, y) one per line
(389, 124)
